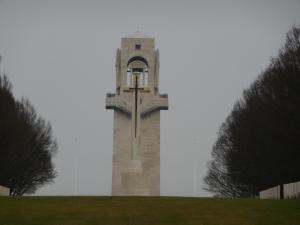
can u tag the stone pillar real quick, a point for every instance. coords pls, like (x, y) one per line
(136, 105)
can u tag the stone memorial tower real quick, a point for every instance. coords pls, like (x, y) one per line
(136, 104)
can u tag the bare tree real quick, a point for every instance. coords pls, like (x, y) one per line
(26, 144)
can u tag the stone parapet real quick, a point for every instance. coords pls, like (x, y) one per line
(4, 191)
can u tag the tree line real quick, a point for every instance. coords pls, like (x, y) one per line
(258, 146)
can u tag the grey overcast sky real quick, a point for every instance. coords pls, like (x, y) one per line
(61, 55)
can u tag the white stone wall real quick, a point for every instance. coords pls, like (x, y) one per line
(121, 150)
(271, 193)
(148, 178)
(150, 151)
(292, 190)
(4, 191)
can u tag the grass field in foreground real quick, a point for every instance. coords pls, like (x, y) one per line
(146, 211)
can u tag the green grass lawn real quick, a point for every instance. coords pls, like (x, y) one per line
(146, 211)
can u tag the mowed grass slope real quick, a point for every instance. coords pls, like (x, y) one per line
(146, 211)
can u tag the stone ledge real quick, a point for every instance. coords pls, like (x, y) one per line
(116, 102)
(157, 103)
